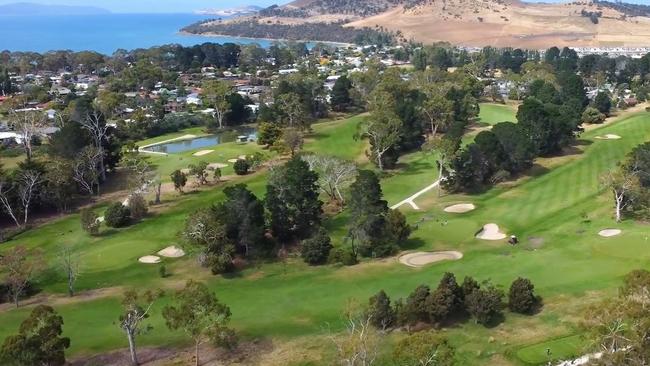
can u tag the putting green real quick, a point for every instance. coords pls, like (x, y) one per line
(491, 113)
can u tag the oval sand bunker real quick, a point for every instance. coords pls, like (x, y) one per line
(609, 233)
(491, 232)
(149, 259)
(419, 259)
(460, 208)
(172, 252)
(609, 136)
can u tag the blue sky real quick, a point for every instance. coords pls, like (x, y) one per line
(183, 6)
(148, 6)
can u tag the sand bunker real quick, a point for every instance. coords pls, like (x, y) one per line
(460, 208)
(609, 233)
(419, 259)
(149, 259)
(202, 152)
(232, 160)
(100, 219)
(242, 157)
(608, 137)
(491, 232)
(217, 166)
(172, 252)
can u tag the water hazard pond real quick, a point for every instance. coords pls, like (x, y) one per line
(178, 146)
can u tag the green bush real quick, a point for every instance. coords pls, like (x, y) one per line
(316, 249)
(137, 207)
(117, 215)
(241, 167)
(343, 256)
(89, 222)
(521, 297)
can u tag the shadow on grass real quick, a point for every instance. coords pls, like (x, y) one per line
(413, 243)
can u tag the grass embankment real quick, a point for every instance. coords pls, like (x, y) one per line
(562, 204)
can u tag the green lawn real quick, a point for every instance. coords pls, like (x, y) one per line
(562, 204)
(492, 113)
(560, 348)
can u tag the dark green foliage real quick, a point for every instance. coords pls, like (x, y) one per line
(544, 91)
(445, 300)
(220, 263)
(572, 89)
(382, 315)
(639, 160)
(603, 103)
(38, 341)
(375, 230)
(397, 229)
(238, 113)
(469, 285)
(162, 271)
(316, 249)
(517, 151)
(117, 215)
(235, 225)
(592, 116)
(470, 168)
(485, 304)
(137, 207)
(292, 201)
(340, 97)
(243, 215)
(241, 167)
(179, 179)
(68, 141)
(342, 255)
(268, 133)
(549, 126)
(415, 308)
(521, 297)
(89, 222)
(6, 86)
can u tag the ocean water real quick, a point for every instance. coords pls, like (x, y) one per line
(102, 33)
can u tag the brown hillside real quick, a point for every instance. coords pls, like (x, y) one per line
(512, 23)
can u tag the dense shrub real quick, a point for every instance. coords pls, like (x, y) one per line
(592, 116)
(521, 297)
(220, 263)
(418, 348)
(89, 222)
(241, 166)
(380, 312)
(137, 207)
(316, 249)
(343, 256)
(117, 215)
(485, 304)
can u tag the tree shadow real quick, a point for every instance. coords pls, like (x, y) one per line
(413, 243)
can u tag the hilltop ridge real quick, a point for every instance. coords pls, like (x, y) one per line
(512, 23)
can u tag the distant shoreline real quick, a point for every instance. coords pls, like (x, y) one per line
(214, 35)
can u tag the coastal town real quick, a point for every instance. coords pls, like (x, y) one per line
(184, 95)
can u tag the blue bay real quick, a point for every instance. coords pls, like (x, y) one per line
(102, 33)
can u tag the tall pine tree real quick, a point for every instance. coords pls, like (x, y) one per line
(292, 201)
